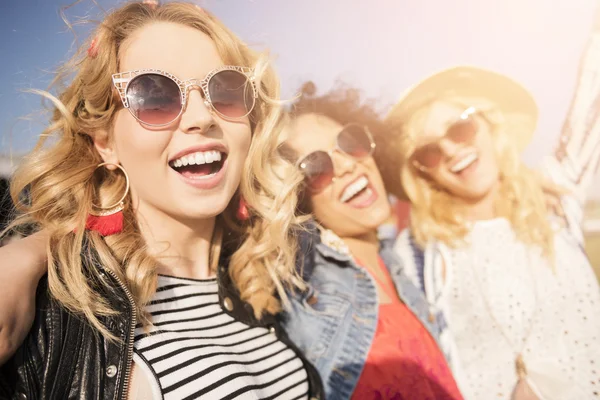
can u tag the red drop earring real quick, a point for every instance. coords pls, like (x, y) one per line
(242, 212)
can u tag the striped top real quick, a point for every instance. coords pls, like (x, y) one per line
(194, 349)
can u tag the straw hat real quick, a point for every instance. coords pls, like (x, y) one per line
(510, 97)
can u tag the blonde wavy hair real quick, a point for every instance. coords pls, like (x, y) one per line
(440, 216)
(61, 183)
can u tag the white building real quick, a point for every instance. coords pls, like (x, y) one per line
(8, 163)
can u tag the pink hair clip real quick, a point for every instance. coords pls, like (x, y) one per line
(92, 51)
(151, 3)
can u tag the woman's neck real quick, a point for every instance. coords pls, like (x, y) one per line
(182, 248)
(484, 208)
(364, 248)
(481, 210)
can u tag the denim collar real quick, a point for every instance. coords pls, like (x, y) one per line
(331, 245)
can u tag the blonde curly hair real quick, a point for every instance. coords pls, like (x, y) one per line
(440, 216)
(61, 183)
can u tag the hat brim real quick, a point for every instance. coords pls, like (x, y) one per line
(511, 98)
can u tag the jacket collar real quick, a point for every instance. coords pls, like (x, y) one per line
(316, 241)
(331, 245)
(229, 297)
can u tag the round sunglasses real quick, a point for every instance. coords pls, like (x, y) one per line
(158, 98)
(430, 155)
(318, 169)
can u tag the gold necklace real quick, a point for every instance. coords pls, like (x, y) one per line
(522, 390)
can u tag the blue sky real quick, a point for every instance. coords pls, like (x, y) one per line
(380, 46)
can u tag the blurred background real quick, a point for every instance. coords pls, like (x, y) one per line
(379, 46)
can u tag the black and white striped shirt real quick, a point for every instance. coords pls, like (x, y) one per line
(196, 350)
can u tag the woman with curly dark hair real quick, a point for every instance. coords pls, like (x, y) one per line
(361, 322)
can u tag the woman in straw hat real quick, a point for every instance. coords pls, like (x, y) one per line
(496, 261)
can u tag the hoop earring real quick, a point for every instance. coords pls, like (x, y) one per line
(108, 220)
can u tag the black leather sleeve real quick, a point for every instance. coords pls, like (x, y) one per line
(62, 357)
(21, 375)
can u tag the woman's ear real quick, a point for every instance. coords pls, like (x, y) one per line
(105, 148)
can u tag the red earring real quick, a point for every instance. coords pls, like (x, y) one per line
(108, 220)
(242, 212)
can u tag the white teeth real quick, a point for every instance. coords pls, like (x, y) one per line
(464, 163)
(354, 188)
(198, 158)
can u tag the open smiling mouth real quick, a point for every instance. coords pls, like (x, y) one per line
(199, 165)
(464, 163)
(359, 194)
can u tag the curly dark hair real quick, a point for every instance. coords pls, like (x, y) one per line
(343, 104)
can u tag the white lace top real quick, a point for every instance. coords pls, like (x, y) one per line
(552, 317)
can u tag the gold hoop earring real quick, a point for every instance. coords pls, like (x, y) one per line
(118, 205)
(108, 220)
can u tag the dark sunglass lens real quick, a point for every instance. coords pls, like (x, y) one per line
(354, 141)
(231, 93)
(462, 131)
(317, 168)
(154, 99)
(428, 156)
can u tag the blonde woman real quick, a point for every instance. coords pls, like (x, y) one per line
(506, 272)
(161, 282)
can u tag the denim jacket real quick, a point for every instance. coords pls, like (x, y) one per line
(334, 321)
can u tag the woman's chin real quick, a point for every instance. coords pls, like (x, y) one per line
(474, 195)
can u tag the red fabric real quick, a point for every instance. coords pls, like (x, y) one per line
(401, 211)
(404, 361)
(105, 225)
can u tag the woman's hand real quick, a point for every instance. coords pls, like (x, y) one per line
(553, 194)
(23, 263)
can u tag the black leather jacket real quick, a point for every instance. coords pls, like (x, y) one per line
(64, 357)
